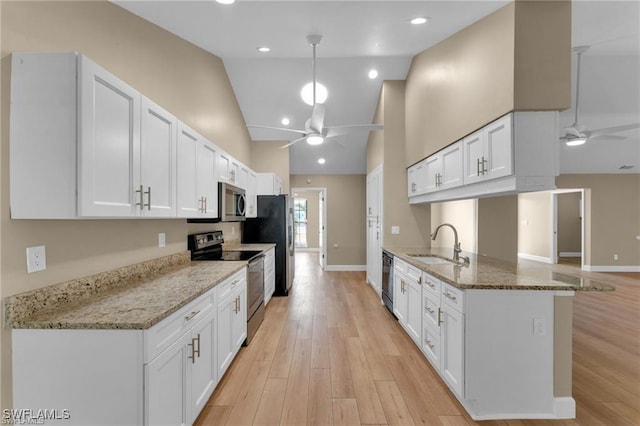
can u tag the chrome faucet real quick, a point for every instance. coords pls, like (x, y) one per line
(456, 246)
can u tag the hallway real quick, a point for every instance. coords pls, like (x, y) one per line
(330, 354)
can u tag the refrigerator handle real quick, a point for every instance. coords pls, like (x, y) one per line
(290, 233)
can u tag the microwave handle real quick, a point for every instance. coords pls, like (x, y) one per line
(242, 204)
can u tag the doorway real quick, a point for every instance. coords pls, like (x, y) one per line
(310, 218)
(568, 229)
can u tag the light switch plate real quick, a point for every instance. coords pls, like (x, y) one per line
(36, 259)
(162, 239)
(395, 230)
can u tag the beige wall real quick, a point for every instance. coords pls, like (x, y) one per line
(184, 79)
(346, 214)
(375, 143)
(268, 157)
(612, 214)
(534, 224)
(462, 215)
(569, 222)
(476, 76)
(498, 227)
(313, 216)
(413, 221)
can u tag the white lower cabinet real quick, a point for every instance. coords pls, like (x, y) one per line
(407, 295)
(163, 375)
(269, 275)
(452, 348)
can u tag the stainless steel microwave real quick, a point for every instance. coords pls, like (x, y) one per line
(231, 203)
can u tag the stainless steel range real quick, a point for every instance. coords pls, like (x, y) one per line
(208, 246)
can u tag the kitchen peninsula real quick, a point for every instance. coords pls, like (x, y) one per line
(498, 333)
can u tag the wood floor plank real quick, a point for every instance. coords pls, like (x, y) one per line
(270, 408)
(213, 415)
(246, 405)
(341, 381)
(395, 408)
(320, 410)
(320, 357)
(345, 412)
(294, 410)
(282, 362)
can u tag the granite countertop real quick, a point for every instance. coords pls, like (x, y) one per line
(134, 297)
(494, 274)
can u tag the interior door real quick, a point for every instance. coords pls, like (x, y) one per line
(322, 255)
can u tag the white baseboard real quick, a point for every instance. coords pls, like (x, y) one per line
(570, 254)
(564, 407)
(347, 268)
(534, 257)
(612, 268)
(307, 249)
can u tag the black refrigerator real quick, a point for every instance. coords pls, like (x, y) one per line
(274, 224)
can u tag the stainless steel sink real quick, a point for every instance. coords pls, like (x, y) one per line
(430, 260)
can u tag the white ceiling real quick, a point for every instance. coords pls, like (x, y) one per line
(360, 35)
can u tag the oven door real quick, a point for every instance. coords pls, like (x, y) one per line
(232, 203)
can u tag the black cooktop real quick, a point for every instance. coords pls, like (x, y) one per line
(208, 246)
(238, 255)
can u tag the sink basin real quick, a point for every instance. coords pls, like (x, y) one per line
(430, 260)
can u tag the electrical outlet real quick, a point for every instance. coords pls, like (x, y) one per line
(539, 327)
(162, 239)
(615, 257)
(36, 259)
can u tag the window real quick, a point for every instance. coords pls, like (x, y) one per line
(300, 221)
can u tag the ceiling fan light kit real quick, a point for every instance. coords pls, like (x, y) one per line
(314, 94)
(576, 142)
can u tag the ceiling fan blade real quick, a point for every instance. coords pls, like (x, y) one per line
(614, 129)
(317, 118)
(292, 142)
(608, 137)
(284, 129)
(343, 130)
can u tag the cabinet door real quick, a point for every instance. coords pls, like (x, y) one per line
(400, 297)
(473, 153)
(373, 194)
(206, 179)
(109, 144)
(412, 184)
(223, 167)
(452, 348)
(432, 169)
(201, 365)
(165, 386)
(189, 201)
(243, 178)
(239, 320)
(451, 166)
(414, 311)
(431, 344)
(224, 350)
(252, 195)
(157, 194)
(498, 151)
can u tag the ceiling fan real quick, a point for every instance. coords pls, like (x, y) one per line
(577, 134)
(315, 132)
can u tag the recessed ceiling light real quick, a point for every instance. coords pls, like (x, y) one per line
(373, 74)
(307, 93)
(285, 121)
(263, 49)
(315, 139)
(321, 161)
(419, 20)
(226, 1)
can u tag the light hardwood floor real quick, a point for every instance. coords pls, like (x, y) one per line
(330, 354)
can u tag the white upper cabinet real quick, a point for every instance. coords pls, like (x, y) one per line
(374, 190)
(269, 184)
(157, 190)
(197, 184)
(516, 153)
(243, 177)
(252, 195)
(488, 152)
(228, 168)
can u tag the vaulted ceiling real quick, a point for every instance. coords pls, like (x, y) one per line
(363, 35)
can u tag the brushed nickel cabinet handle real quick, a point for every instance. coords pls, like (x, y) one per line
(141, 192)
(478, 167)
(148, 193)
(192, 357)
(484, 165)
(439, 316)
(196, 340)
(431, 345)
(191, 315)
(450, 296)
(428, 309)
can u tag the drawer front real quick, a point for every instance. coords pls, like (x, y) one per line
(431, 307)
(166, 332)
(431, 284)
(431, 345)
(414, 273)
(269, 263)
(228, 286)
(400, 265)
(453, 297)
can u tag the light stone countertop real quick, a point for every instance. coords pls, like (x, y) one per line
(494, 274)
(134, 297)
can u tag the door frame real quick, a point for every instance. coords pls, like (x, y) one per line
(554, 224)
(323, 218)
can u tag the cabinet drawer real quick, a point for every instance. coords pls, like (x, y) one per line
(399, 265)
(414, 273)
(431, 284)
(431, 345)
(453, 297)
(229, 285)
(431, 308)
(166, 332)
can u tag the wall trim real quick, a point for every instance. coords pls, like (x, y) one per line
(570, 254)
(564, 407)
(612, 268)
(308, 249)
(347, 268)
(534, 257)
